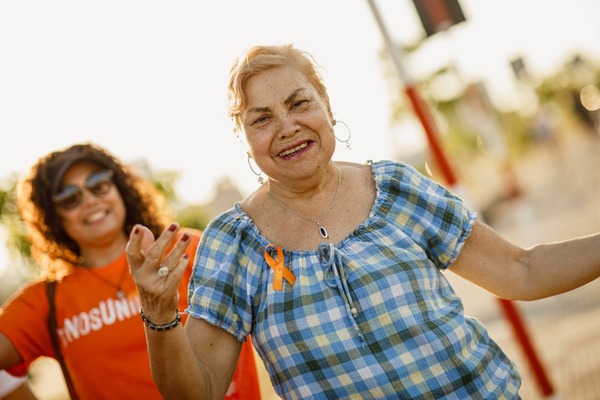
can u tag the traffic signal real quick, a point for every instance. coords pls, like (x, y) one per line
(438, 15)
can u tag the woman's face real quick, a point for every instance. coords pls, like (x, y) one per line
(287, 125)
(98, 219)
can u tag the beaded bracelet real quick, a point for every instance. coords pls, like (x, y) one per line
(164, 327)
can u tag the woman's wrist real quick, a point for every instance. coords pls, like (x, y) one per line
(161, 327)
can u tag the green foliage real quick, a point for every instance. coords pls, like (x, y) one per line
(193, 217)
(165, 181)
(16, 240)
(460, 134)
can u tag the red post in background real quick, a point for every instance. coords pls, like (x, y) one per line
(422, 112)
(508, 307)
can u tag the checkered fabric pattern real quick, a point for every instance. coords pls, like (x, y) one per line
(371, 317)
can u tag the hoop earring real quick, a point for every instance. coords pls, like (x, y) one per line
(347, 140)
(261, 179)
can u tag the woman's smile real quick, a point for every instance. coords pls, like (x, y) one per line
(296, 150)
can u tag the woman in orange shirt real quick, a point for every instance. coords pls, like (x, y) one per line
(80, 203)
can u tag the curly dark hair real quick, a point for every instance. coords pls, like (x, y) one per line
(54, 251)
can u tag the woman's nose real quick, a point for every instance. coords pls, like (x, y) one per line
(87, 196)
(288, 126)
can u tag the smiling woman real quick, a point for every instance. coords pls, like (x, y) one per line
(360, 307)
(79, 204)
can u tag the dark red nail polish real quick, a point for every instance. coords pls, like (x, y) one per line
(186, 256)
(172, 227)
(136, 231)
(185, 237)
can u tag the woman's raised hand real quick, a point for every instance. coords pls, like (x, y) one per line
(156, 270)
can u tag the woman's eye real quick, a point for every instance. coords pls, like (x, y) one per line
(300, 103)
(261, 119)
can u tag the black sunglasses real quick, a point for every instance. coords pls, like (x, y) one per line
(98, 183)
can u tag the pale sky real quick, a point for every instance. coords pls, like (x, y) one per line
(147, 79)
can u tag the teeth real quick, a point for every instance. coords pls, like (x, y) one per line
(96, 216)
(292, 151)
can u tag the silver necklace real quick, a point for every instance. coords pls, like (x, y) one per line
(322, 231)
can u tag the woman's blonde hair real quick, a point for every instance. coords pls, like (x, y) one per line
(262, 58)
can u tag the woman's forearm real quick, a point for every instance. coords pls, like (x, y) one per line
(197, 362)
(175, 368)
(556, 268)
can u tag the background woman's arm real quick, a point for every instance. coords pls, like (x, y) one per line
(8, 353)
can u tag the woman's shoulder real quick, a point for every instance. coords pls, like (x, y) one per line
(378, 167)
(382, 175)
(386, 173)
(228, 223)
(35, 285)
(396, 179)
(228, 216)
(30, 292)
(390, 167)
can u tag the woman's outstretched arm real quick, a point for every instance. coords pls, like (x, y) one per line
(515, 273)
(197, 362)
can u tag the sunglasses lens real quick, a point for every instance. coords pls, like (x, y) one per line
(100, 182)
(68, 197)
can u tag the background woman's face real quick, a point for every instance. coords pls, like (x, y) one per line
(97, 219)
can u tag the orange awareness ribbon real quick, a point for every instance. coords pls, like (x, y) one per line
(280, 271)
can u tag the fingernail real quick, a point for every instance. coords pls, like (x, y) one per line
(186, 256)
(172, 227)
(185, 237)
(136, 231)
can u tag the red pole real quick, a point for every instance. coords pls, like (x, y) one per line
(422, 112)
(431, 131)
(511, 312)
(509, 309)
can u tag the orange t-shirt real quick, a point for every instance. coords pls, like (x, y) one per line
(101, 336)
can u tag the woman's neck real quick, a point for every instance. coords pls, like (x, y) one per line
(318, 185)
(98, 256)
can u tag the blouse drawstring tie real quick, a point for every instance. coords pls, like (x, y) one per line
(334, 276)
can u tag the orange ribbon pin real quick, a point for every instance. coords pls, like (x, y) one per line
(280, 271)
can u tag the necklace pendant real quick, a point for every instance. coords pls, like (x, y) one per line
(120, 294)
(323, 232)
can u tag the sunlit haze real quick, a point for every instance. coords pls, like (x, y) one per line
(147, 79)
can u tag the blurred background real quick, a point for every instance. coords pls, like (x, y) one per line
(512, 88)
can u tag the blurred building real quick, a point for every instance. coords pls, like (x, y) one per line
(226, 195)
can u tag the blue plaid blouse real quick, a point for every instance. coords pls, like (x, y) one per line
(371, 317)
